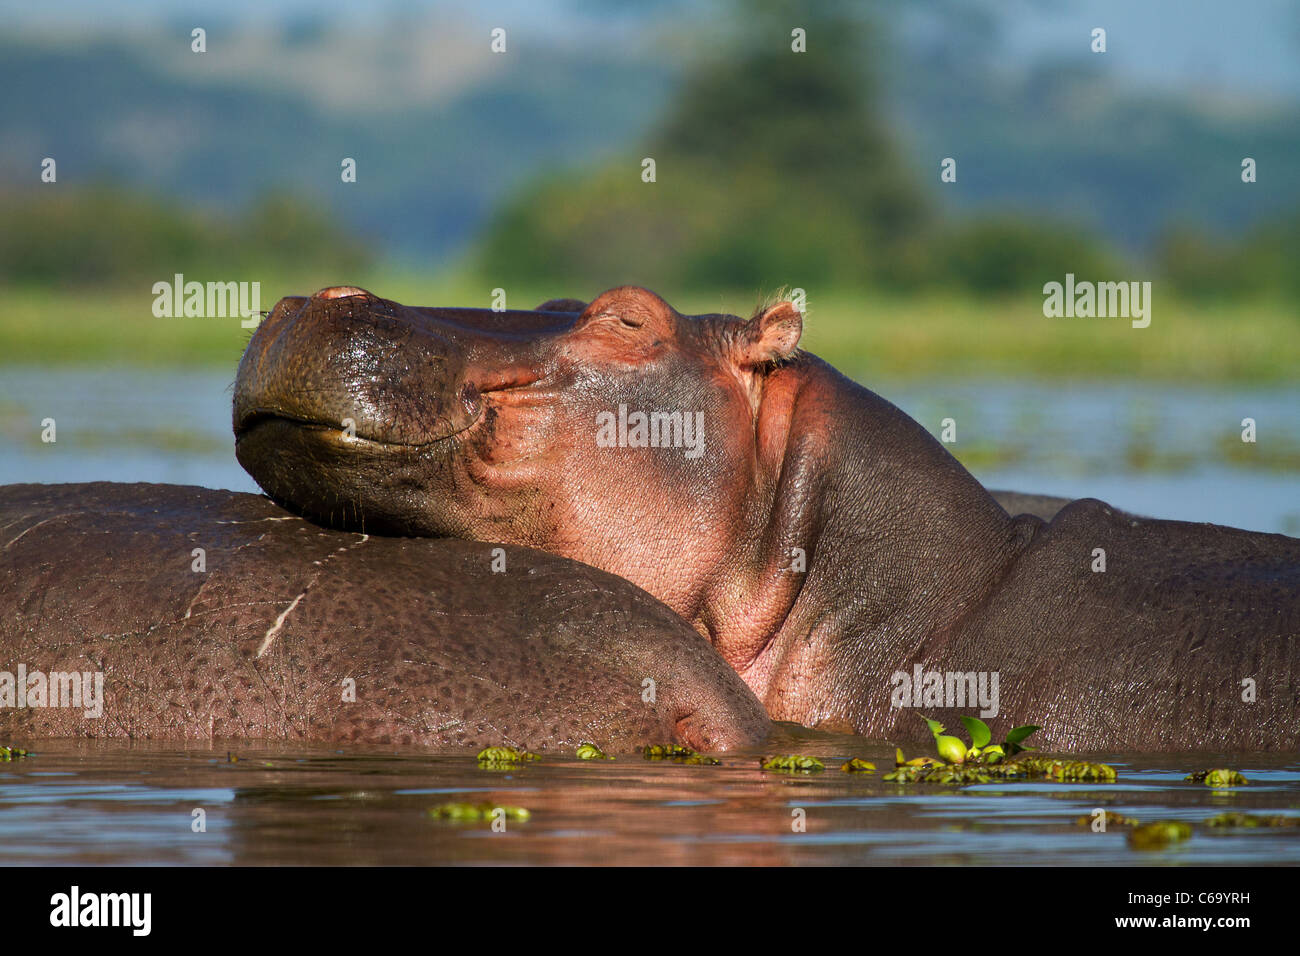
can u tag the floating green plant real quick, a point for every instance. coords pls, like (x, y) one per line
(1221, 777)
(592, 752)
(473, 812)
(505, 757)
(1250, 820)
(677, 753)
(1055, 768)
(1112, 819)
(792, 763)
(858, 765)
(1154, 836)
(949, 774)
(981, 748)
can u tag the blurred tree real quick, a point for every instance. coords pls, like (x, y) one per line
(773, 167)
(109, 236)
(1261, 264)
(1007, 254)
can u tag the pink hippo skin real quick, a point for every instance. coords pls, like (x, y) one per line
(365, 414)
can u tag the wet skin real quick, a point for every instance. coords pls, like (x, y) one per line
(443, 651)
(484, 425)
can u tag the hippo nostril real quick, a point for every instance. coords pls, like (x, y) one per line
(339, 292)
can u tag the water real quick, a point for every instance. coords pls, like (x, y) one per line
(90, 802)
(1166, 452)
(1160, 450)
(1163, 451)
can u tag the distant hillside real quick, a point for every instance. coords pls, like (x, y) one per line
(442, 139)
(428, 175)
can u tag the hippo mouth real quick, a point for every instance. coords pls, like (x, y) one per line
(317, 469)
(259, 420)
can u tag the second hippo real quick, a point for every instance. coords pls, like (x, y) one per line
(167, 612)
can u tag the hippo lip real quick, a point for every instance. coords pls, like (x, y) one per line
(259, 417)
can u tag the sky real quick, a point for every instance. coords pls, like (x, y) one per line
(1232, 46)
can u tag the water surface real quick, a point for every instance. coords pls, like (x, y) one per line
(111, 803)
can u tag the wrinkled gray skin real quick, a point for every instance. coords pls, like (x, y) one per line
(444, 653)
(483, 425)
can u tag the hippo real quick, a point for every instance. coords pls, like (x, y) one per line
(218, 615)
(831, 550)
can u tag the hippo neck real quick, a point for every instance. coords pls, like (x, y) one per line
(900, 541)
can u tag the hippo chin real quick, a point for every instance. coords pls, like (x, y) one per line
(831, 550)
(281, 629)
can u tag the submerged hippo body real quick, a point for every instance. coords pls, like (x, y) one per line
(823, 541)
(265, 638)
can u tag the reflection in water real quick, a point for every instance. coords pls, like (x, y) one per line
(91, 802)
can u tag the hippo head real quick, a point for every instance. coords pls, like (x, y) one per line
(621, 433)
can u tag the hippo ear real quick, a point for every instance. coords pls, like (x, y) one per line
(772, 335)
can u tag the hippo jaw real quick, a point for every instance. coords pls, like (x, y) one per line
(321, 473)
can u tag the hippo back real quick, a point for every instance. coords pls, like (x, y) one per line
(214, 614)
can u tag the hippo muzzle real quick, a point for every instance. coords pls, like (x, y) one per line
(346, 404)
(354, 364)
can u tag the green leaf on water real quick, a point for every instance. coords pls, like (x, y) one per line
(1020, 733)
(936, 728)
(980, 735)
(1013, 741)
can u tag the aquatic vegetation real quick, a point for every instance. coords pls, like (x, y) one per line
(1055, 768)
(792, 763)
(901, 761)
(8, 754)
(982, 749)
(592, 752)
(858, 765)
(652, 751)
(677, 753)
(472, 812)
(950, 748)
(1221, 777)
(505, 757)
(1154, 836)
(947, 773)
(988, 761)
(1014, 742)
(1112, 819)
(1004, 771)
(1251, 820)
(906, 774)
(1051, 767)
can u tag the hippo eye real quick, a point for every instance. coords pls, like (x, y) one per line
(628, 321)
